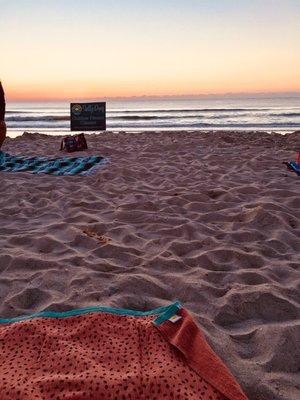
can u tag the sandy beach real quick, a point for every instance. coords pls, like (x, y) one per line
(211, 219)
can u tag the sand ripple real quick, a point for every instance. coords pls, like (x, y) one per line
(210, 219)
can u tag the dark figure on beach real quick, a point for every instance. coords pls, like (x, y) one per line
(2, 116)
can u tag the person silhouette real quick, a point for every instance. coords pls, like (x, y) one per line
(2, 116)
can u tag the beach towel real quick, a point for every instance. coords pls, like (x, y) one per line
(54, 166)
(109, 353)
(293, 166)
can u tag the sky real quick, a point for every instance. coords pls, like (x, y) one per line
(71, 49)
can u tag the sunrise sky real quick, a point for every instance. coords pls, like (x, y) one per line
(62, 49)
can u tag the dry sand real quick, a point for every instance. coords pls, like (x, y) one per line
(211, 219)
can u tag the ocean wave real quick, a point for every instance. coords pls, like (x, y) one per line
(174, 117)
(17, 112)
(187, 110)
(133, 115)
(179, 125)
(122, 117)
(170, 117)
(211, 125)
(285, 114)
(54, 118)
(39, 118)
(249, 125)
(36, 126)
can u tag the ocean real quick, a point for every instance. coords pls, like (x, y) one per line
(253, 113)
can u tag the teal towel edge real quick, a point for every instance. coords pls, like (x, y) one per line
(163, 313)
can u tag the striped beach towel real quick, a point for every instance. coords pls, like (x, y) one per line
(294, 166)
(53, 166)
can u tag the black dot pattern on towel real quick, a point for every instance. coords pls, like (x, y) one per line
(94, 356)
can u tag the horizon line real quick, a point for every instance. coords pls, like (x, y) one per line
(295, 93)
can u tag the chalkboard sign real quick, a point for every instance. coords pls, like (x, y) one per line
(88, 116)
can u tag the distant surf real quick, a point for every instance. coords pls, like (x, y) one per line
(278, 114)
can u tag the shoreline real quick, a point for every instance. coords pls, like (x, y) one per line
(13, 133)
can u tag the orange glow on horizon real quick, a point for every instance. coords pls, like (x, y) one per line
(47, 95)
(61, 92)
